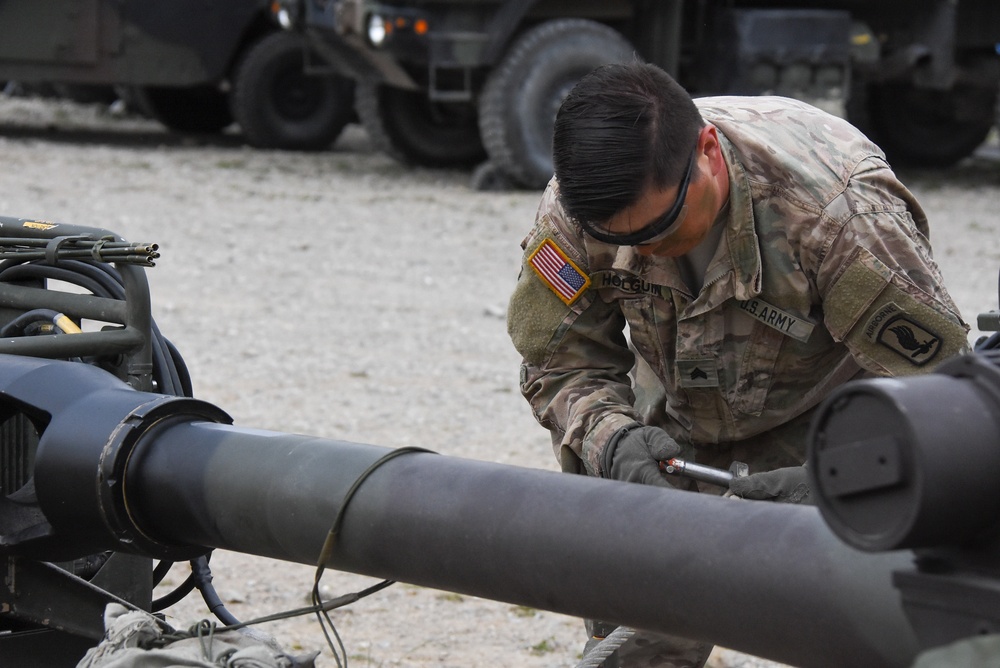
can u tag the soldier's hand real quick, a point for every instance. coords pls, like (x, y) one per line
(634, 455)
(787, 485)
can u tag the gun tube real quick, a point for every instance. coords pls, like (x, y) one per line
(766, 579)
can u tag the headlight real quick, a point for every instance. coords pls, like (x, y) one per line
(285, 12)
(377, 30)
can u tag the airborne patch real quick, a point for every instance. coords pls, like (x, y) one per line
(907, 338)
(882, 316)
(558, 272)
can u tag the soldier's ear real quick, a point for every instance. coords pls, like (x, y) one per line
(709, 146)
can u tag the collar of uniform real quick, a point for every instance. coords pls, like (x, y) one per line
(741, 230)
(714, 290)
(719, 266)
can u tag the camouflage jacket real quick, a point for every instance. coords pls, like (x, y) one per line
(823, 273)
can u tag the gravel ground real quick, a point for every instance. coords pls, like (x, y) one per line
(341, 295)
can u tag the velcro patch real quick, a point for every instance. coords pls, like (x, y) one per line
(854, 291)
(558, 272)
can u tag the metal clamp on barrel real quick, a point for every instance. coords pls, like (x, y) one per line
(160, 412)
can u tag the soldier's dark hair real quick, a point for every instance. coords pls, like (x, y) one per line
(621, 129)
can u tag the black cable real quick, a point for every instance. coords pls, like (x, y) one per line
(326, 552)
(18, 325)
(101, 281)
(203, 581)
(184, 376)
(175, 595)
(161, 570)
(112, 287)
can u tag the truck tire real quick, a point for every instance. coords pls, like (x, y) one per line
(924, 128)
(518, 105)
(200, 109)
(412, 129)
(278, 105)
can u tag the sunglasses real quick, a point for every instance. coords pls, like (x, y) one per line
(657, 230)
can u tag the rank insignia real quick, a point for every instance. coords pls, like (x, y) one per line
(558, 272)
(698, 372)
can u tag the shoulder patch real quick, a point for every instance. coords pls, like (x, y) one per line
(558, 272)
(903, 335)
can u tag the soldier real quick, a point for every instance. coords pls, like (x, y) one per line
(760, 251)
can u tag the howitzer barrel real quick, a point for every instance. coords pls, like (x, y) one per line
(762, 578)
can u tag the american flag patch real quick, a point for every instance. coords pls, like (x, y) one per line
(558, 272)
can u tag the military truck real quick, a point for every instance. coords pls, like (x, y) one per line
(449, 82)
(195, 66)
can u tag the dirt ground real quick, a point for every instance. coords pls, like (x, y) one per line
(341, 295)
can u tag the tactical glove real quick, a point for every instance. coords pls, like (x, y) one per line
(633, 455)
(787, 485)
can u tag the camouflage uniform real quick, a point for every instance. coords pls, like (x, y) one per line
(823, 274)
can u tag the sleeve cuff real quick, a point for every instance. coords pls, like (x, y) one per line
(598, 437)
